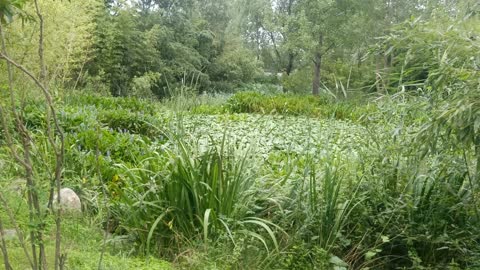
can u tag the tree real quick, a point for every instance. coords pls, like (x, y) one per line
(325, 29)
(274, 24)
(170, 44)
(68, 29)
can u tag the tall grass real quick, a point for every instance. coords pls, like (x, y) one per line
(320, 206)
(193, 192)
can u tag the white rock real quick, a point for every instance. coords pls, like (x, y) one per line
(69, 200)
(18, 186)
(9, 234)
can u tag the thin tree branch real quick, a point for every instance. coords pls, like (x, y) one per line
(19, 232)
(59, 153)
(275, 47)
(4, 249)
(43, 69)
(31, 190)
(45, 91)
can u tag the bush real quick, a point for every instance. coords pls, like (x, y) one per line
(254, 102)
(126, 121)
(288, 104)
(141, 86)
(299, 82)
(111, 103)
(34, 115)
(267, 78)
(236, 65)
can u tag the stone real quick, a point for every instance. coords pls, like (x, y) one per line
(18, 186)
(69, 200)
(9, 234)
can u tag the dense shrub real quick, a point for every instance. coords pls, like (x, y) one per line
(267, 78)
(125, 121)
(237, 65)
(111, 103)
(288, 104)
(141, 86)
(34, 115)
(299, 82)
(254, 102)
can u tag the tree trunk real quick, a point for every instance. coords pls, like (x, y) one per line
(6, 260)
(289, 67)
(317, 67)
(316, 76)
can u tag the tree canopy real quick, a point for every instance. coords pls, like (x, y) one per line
(150, 48)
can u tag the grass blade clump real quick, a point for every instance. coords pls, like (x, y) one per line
(202, 190)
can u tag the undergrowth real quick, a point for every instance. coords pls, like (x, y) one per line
(262, 182)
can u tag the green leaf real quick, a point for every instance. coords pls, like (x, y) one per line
(152, 229)
(372, 253)
(385, 239)
(205, 225)
(337, 261)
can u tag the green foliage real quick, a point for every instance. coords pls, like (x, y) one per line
(347, 195)
(262, 88)
(235, 66)
(81, 241)
(209, 109)
(143, 52)
(110, 103)
(317, 200)
(435, 61)
(9, 8)
(302, 257)
(125, 121)
(257, 179)
(34, 115)
(67, 36)
(414, 204)
(254, 102)
(142, 86)
(267, 79)
(299, 82)
(88, 260)
(215, 179)
(193, 196)
(434, 56)
(288, 104)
